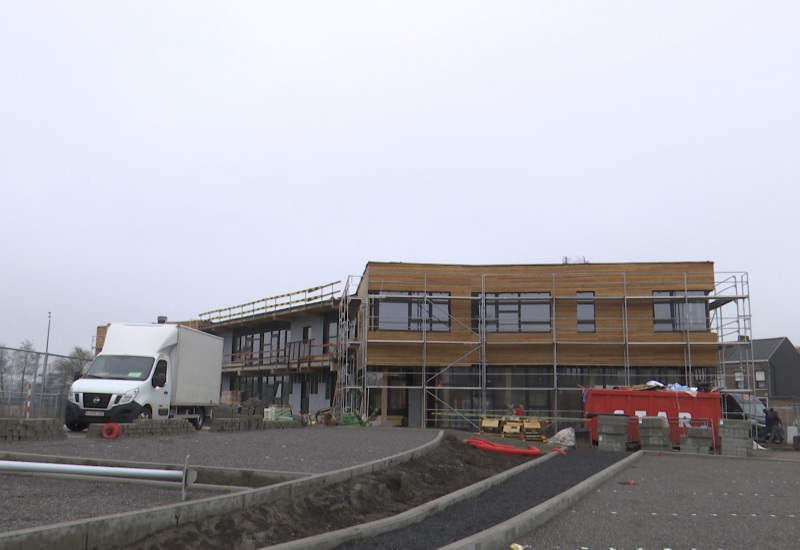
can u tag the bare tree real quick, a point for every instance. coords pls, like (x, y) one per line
(5, 367)
(67, 369)
(26, 362)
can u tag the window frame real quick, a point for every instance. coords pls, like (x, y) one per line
(677, 311)
(518, 312)
(424, 311)
(585, 323)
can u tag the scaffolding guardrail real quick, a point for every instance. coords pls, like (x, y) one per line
(272, 304)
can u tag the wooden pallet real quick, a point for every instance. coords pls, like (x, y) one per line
(490, 425)
(534, 430)
(513, 428)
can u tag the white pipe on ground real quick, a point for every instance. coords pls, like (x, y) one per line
(107, 471)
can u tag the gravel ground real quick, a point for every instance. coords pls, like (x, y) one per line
(33, 501)
(677, 501)
(684, 501)
(305, 450)
(498, 504)
(30, 501)
(447, 468)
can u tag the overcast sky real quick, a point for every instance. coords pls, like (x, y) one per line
(170, 158)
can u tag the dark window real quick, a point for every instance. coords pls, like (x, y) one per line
(761, 379)
(330, 335)
(411, 311)
(519, 376)
(585, 312)
(677, 311)
(516, 312)
(261, 348)
(464, 377)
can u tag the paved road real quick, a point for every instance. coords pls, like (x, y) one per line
(684, 502)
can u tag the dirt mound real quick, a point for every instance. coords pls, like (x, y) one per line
(451, 466)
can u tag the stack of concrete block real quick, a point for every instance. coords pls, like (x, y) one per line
(697, 441)
(654, 434)
(33, 429)
(735, 438)
(251, 407)
(612, 432)
(252, 415)
(145, 428)
(240, 424)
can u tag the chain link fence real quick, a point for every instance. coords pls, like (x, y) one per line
(34, 384)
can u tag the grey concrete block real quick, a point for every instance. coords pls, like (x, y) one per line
(612, 424)
(653, 432)
(700, 432)
(653, 422)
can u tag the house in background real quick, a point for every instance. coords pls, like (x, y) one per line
(775, 371)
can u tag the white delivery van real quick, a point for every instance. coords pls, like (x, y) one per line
(154, 371)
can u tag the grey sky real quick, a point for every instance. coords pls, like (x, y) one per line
(169, 158)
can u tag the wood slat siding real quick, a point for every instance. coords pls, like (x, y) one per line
(614, 285)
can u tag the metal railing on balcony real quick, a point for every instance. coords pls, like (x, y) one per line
(297, 355)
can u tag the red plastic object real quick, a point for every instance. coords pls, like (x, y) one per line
(484, 445)
(110, 430)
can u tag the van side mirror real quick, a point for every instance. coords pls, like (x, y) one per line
(159, 380)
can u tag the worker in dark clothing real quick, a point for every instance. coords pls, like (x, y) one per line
(769, 420)
(777, 427)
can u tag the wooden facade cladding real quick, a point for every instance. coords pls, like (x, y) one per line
(622, 333)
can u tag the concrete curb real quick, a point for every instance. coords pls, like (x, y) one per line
(503, 534)
(333, 539)
(123, 529)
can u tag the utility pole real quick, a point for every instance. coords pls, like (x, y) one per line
(44, 370)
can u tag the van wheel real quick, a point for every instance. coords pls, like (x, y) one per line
(198, 422)
(75, 426)
(146, 414)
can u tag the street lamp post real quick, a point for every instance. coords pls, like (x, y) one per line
(44, 369)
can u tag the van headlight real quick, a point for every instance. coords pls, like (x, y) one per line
(129, 396)
(75, 398)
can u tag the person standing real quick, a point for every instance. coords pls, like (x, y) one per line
(769, 420)
(777, 427)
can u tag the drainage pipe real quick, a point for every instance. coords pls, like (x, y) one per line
(79, 469)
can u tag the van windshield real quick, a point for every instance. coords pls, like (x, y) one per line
(751, 406)
(120, 367)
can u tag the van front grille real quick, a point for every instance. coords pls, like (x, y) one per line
(96, 400)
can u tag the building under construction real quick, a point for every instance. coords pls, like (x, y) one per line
(432, 345)
(441, 345)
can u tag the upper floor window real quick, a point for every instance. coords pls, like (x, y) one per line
(517, 312)
(585, 312)
(677, 311)
(411, 311)
(761, 379)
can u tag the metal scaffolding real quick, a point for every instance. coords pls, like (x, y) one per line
(726, 307)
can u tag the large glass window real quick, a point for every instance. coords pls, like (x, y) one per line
(677, 311)
(465, 377)
(411, 311)
(515, 312)
(259, 348)
(585, 312)
(519, 376)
